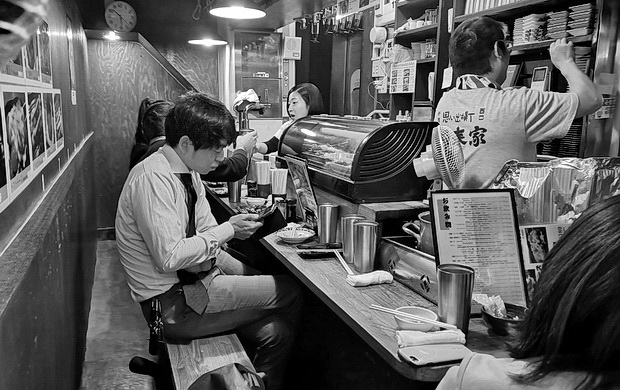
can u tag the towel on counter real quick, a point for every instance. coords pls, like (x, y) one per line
(375, 277)
(410, 338)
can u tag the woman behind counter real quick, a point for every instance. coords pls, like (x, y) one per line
(303, 99)
(570, 338)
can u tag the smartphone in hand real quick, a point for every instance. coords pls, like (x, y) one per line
(267, 212)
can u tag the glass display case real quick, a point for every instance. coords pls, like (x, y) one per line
(361, 160)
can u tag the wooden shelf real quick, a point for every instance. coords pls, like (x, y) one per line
(415, 6)
(520, 8)
(534, 46)
(417, 34)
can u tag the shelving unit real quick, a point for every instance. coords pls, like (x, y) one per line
(530, 55)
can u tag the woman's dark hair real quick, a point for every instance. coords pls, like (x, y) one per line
(311, 95)
(573, 324)
(205, 120)
(154, 119)
(472, 44)
(144, 104)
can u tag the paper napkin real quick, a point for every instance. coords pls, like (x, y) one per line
(410, 338)
(375, 277)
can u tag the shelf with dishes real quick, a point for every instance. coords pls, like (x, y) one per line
(512, 10)
(542, 45)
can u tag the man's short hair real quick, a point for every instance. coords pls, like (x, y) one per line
(471, 45)
(154, 118)
(203, 119)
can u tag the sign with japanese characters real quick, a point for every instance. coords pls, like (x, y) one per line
(479, 228)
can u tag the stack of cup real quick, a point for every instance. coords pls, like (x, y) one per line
(328, 220)
(278, 183)
(365, 245)
(456, 286)
(348, 235)
(262, 179)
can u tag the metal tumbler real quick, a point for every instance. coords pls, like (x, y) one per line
(365, 245)
(234, 191)
(348, 235)
(456, 286)
(328, 221)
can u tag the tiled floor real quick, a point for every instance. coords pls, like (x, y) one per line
(116, 329)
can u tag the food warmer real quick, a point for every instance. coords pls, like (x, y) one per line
(360, 160)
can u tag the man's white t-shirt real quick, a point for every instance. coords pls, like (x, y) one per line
(497, 125)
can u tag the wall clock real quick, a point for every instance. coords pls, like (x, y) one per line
(120, 16)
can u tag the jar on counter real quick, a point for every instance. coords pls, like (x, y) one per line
(291, 210)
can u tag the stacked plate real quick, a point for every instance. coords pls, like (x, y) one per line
(419, 50)
(580, 20)
(530, 28)
(556, 24)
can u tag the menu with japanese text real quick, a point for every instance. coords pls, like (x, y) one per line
(479, 228)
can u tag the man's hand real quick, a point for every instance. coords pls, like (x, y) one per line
(562, 53)
(245, 225)
(247, 141)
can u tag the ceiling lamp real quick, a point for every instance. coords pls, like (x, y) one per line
(237, 9)
(215, 40)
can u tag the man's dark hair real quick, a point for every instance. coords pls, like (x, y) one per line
(153, 121)
(472, 43)
(205, 120)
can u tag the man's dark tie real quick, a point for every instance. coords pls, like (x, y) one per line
(196, 296)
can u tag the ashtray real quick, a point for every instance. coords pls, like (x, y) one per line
(293, 235)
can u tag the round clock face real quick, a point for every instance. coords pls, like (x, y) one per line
(120, 16)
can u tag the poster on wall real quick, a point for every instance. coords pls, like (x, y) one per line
(49, 127)
(32, 62)
(71, 61)
(14, 119)
(58, 126)
(35, 120)
(45, 50)
(4, 165)
(13, 71)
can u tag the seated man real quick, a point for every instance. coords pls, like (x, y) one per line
(170, 244)
(494, 124)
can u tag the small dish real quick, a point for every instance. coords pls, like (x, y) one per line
(407, 324)
(293, 235)
(254, 202)
(505, 326)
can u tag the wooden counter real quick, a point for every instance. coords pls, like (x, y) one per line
(326, 279)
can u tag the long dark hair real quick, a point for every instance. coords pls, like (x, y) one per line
(574, 321)
(311, 95)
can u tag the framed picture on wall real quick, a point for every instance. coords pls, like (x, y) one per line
(35, 124)
(58, 125)
(15, 125)
(13, 70)
(45, 51)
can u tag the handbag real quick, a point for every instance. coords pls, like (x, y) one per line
(233, 376)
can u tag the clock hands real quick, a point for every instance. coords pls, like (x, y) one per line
(120, 17)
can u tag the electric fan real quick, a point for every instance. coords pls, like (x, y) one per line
(444, 161)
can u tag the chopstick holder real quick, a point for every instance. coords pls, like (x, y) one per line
(374, 277)
(410, 338)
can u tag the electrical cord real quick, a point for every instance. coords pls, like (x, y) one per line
(373, 98)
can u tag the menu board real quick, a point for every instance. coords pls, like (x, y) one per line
(479, 228)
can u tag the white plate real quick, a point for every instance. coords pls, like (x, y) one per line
(301, 235)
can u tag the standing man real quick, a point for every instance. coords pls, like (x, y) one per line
(494, 124)
(170, 244)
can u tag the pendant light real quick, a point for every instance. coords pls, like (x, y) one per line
(237, 9)
(210, 39)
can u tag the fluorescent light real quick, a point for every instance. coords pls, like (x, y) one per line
(111, 36)
(237, 9)
(208, 42)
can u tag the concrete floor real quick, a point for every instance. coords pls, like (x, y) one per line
(116, 329)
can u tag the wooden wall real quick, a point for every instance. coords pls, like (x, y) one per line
(47, 240)
(122, 73)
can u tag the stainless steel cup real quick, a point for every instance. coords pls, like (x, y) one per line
(348, 235)
(234, 191)
(328, 221)
(365, 245)
(456, 285)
